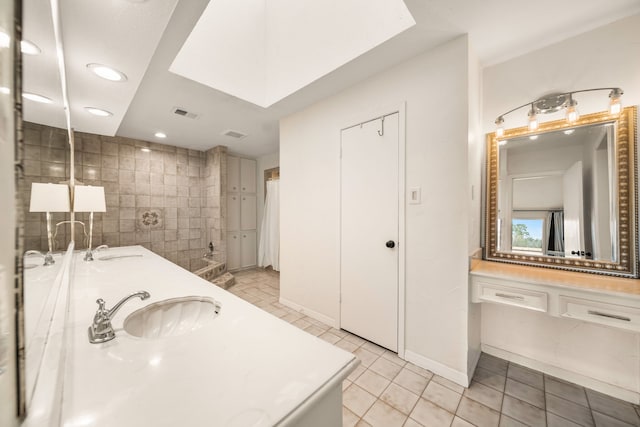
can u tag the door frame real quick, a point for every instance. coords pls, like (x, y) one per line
(355, 120)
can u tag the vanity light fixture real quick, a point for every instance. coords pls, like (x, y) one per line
(160, 135)
(37, 98)
(107, 73)
(98, 112)
(615, 106)
(558, 101)
(572, 114)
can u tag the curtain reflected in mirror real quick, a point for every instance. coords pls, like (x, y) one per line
(564, 196)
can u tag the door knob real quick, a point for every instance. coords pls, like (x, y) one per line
(390, 244)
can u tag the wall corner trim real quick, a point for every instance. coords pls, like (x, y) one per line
(438, 368)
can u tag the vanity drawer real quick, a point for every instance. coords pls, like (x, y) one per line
(618, 316)
(524, 298)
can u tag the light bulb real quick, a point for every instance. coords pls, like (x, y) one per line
(500, 127)
(572, 112)
(615, 106)
(533, 121)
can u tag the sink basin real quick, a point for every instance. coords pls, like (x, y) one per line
(171, 317)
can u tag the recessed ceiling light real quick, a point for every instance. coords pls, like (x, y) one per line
(145, 150)
(5, 90)
(98, 112)
(107, 73)
(29, 48)
(160, 135)
(37, 98)
(26, 46)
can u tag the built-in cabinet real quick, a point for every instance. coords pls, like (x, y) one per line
(241, 213)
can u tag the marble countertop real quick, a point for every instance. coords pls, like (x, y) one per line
(243, 368)
(569, 279)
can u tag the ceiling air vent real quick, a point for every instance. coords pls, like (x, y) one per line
(234, 134)
(184, 113)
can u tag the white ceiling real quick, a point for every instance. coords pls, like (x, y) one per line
(143, 37)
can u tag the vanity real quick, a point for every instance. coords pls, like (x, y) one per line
(557, 289)
(237, 366)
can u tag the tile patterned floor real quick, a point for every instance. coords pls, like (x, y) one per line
(386, 391)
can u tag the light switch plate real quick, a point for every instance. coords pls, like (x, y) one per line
(415, 195)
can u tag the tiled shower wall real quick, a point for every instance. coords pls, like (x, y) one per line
(165, 198)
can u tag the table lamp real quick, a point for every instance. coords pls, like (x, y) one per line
(90, 199)
(49, 198)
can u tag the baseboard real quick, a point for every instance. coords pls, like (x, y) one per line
(437, 368)
(308, 312)
(564, 374)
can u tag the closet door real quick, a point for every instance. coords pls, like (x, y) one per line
(248, 257)
(233, 212)
(247, 176)
(233, 174)
(233, 250)
(247, 212)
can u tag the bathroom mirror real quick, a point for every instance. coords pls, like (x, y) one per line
(564, 196)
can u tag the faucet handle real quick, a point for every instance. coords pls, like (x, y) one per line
(101, 304)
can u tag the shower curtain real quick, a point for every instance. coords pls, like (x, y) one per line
(269, 246)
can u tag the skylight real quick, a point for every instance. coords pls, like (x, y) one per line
(264, 50)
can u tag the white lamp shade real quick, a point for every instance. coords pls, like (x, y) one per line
(88, 198)
(49, 198)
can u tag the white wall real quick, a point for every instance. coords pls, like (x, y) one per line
(435, 87)
(607, 56)
(268, 161)
(476, 161)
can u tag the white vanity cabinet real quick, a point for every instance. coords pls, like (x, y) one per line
(608, 301)
(241, 213)
(583, 328)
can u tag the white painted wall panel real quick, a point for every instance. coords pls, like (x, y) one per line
(436, 231)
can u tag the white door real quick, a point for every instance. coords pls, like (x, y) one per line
(248, 253)
(369, 231)
(233, 174)
(247, 212)
(233, 250)
(247, 175)
(233, 212)
(573, 214)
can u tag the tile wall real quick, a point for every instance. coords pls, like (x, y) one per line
(165, 198)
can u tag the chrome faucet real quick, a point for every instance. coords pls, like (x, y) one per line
(88, 256)
(48, 258)
(101, 330)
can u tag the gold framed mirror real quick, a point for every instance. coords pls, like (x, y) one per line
(564, 196)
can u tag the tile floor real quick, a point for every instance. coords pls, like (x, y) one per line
(386, 391)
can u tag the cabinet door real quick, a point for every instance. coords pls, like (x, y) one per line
(247, 212)
(248, 257)
(248, 175)
(233, 251)
(233, 174)
(233, 212)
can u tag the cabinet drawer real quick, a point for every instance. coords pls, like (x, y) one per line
(531, 300)
(618, 316)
